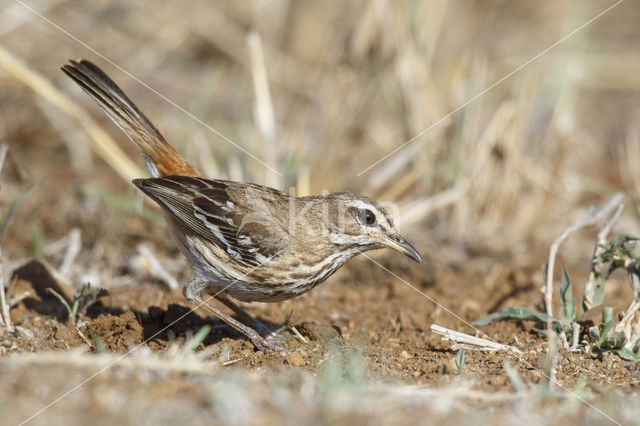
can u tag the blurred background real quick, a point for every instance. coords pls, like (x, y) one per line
(514, 127)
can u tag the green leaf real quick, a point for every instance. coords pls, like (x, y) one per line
(616, 341)
(542, 332)
(517, 313)
(14, 207)
(566, 295)
(607, 321)
(64, 303)
(598, 292)
(87, 295)
(515, 378)
(460, 360)
(634, 251)
(594, 334)
(627, 354)
(198, 338)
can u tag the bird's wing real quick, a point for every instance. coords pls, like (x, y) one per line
(245, 226)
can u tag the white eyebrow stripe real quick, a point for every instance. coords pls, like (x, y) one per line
(359, 204)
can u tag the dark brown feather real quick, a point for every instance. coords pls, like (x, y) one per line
(207, 209)
(129, 118)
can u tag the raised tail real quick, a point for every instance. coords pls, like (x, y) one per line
(160, 157)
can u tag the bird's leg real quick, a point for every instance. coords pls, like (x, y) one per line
(192, 292)
(244, 315)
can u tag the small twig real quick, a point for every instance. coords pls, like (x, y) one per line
(156, 268)
(576, 336)
(466, 341)
(263, 112)
(83, 337)
(421, 208)
(73, 249)
(299, 336)
(562, 336)
(6, 318)
(149, 362)
(635, 285)
(627, 324)
(70, 311)
(5, 307)
(231, 361)
(601, 240)
(3, 154)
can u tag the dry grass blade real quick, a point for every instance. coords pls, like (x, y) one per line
(5, 319)
(147, 361)
(156, 269)
(601, 241)
(466, 341)
(263, 109)
(102, 143)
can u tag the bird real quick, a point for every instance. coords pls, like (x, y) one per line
(243, 241)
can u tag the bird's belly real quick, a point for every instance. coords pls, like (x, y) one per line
(271, 281)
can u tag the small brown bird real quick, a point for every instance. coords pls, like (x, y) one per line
(243, 240)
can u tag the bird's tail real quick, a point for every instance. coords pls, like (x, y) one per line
(161, 158)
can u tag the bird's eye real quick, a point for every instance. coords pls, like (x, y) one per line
(367, 217)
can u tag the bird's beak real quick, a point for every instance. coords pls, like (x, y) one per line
(399, 244)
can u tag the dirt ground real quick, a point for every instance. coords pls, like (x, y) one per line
(366, 317)
(364, 309)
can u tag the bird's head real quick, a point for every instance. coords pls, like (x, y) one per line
(360, 222)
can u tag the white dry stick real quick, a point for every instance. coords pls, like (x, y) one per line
(148, 362)
(263, 111)
(419, 209)
(299, 336)
(6, 319)
(629, 322)
(576, 335)
(601, 240)
(73, 249)
(467, 341)
(100, 140)
(5, 309)
(156, 269)
(591, 217)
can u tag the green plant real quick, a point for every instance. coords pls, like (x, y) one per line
(83, 298)
(621, 252)
(13, 208)
(192, 344)
(460, 360)
(606, 339)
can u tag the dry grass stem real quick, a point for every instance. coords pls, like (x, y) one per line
(73, 249)
(263, 109)
(156, 269)
(466, 341)
(299, 336)
(145, 360)
(601, 241)
(6, 318)
(14, 16)
(629, 325)
(102, 143)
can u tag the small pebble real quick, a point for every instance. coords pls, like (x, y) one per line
(295, 359)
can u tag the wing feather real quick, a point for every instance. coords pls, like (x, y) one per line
(209, 209)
